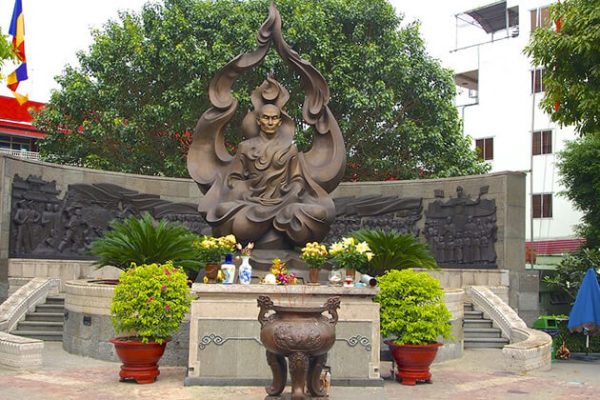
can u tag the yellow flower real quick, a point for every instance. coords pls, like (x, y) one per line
(369, 256)
(362, 247)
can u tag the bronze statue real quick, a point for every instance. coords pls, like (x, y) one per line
(268, 192)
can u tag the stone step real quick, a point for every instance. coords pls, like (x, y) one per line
(45, 316)
(477, 323)
(469, 307)
(473, 314)
(482, 333)
(50, 308)
(55, 300)
(496, 343)
(40, 326)
(50, 336)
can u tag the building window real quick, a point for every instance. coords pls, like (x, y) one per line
(16, 143)
(485, 148)
(542, 143)
(537, 80)
(540, 18)
(542, 205)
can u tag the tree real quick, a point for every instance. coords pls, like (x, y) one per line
(571, 63)
(579, 165)
(142, 85)
(6, 52)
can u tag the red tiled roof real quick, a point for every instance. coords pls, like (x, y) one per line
(15, 118)
(556, 246)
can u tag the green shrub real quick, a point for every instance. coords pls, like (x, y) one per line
(393, 250)
(570, 272)
(412, 309)
(150, 301)
(144, 241)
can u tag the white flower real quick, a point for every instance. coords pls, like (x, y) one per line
(335, 248)
(348, 242)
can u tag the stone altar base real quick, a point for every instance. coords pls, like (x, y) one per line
(225, 345)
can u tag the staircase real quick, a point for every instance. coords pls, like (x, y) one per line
(480, 332)
(46, 322)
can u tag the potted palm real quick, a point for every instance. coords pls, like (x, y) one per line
(394, 250)
(413, 319)
(148, 306)
(142, 240)
(314, 254)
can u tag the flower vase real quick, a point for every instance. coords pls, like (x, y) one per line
(313, 276)
(211, 272)
(245, 271)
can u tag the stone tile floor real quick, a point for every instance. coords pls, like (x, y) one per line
(478, 375)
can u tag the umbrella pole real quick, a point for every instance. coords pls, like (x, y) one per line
(587, 344)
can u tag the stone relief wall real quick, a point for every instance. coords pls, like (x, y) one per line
(49, 212)
(46, 226)
(460, 231)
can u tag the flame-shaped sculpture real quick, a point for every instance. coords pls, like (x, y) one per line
(268, 192)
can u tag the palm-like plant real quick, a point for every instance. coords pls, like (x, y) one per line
(394, 250)
(145, 241)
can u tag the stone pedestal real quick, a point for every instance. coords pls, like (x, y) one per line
(225, 346)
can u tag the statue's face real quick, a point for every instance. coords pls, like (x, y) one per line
(269, 120)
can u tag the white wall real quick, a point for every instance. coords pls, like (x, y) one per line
(504, 112)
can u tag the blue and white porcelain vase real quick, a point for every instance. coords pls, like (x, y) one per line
(245, 271)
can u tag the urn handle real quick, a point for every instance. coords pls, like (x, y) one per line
(331, 306)
(266, 304)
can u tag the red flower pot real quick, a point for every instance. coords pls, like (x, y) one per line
(140, 360)
(413, 361)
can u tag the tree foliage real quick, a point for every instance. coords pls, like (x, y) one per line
(142, 85)
(571, 62)
(579, 165)
(570, 272)
(6, 51)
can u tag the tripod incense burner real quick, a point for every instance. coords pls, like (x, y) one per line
(303, 335)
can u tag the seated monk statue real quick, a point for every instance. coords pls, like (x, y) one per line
(265, 195)
(268, 192)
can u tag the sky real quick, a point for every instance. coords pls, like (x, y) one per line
(55, 30)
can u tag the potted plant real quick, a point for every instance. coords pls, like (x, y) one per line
(394, 250)
(142, 240)
(351, 255)
(148, 306)
(314, 254)
(211, 251)
(413, 319)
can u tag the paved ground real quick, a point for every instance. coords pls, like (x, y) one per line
(478, 375)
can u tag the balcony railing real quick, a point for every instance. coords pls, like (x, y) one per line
(29, 155)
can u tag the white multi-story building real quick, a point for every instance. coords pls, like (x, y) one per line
(498, 96)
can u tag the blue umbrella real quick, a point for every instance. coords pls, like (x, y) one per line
(585, 314)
